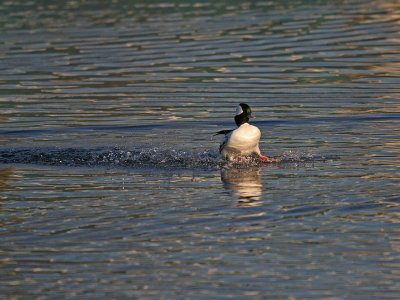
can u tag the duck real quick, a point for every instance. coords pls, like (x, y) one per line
(242, 141)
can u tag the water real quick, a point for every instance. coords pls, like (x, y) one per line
(110, 181)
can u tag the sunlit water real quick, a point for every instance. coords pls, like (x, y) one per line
(111, 184)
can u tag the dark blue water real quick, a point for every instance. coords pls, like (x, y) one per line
(111, 184)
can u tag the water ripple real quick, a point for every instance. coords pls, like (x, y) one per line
(261, 56)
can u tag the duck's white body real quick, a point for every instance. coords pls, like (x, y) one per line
(241, 142)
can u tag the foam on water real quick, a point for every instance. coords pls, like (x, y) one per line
(112, 157)
(156, 157)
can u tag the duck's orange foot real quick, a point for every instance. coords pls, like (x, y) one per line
(265, 158)
(271, 160)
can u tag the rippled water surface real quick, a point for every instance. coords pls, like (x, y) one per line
(111, 184)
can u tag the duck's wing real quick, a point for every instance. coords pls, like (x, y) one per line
(224, 132)
(225, 139)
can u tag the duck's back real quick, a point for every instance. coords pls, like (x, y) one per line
(242, 141)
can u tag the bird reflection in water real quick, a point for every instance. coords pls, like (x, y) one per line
(245, 183)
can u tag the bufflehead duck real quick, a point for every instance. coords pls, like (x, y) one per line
(243, 141)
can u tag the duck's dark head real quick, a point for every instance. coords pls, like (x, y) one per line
(243, 114)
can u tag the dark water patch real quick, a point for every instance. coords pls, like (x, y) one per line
(182, 125)
(85, 128)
